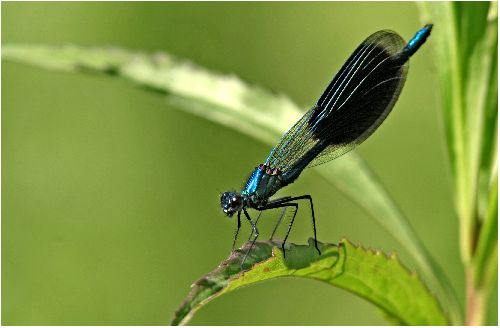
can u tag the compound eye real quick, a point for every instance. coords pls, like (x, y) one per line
(225, 196)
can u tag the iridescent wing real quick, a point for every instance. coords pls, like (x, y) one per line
(352, 107)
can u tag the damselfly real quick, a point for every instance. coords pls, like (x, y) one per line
(352, 107)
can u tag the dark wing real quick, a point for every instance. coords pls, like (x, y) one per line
(351, 108)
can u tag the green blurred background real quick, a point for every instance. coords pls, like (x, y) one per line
(111, 198)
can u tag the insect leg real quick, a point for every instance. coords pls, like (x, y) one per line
(237, 229)
(290, 225)
(256, 221)
(279, 200)
(290, 199)
(256, 234)
(279, 205)
(279, 222)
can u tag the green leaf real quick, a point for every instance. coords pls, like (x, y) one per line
(466, 41)
(487, 246)
(248, 109)
(482, 111)
(370, 274)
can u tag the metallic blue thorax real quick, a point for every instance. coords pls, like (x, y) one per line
(253, 182)
(263, 183)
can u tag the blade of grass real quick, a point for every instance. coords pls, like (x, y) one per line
(488, 148)
(247, 109)
(488, 239)
(466, 44)
(481, 114)
(446, 36)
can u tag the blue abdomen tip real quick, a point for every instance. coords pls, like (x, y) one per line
(417, 41)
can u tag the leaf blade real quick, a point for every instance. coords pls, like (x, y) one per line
(379, 279)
